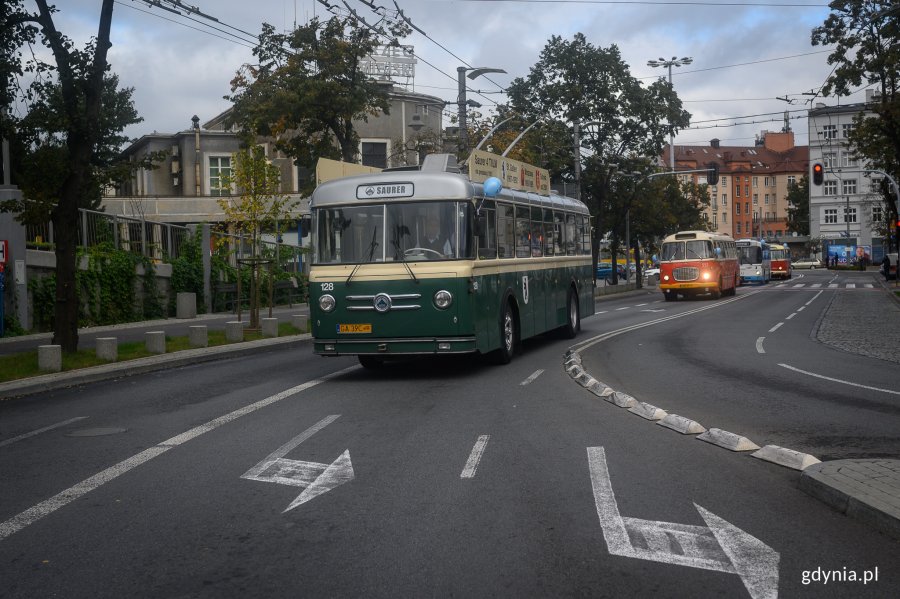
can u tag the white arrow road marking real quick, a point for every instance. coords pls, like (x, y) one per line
(719, 546)
(759, 345)
(315, 478)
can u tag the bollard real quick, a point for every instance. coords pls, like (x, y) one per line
(269, 327)
(155, 342)
(299, 321)
(108, 348)
(186, 305)
(234, 330)
(50, 358)
(197, 336)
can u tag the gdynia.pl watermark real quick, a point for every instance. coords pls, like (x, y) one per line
(822, 576)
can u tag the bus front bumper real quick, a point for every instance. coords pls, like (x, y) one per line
(395, 347)
(693, 285)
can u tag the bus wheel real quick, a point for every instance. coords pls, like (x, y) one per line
(669, 295)
(573, 321)
(371, 362)
(718, 291)
(508, 335)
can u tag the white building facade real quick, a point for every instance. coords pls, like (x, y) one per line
(847, 210)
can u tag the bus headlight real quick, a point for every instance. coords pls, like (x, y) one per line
(326, 303)
(665, 277)
(443, 299)
(705, 275)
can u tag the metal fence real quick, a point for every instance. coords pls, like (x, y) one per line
(155, 240)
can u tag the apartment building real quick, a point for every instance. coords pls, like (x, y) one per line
(749, 200)
(847, 211)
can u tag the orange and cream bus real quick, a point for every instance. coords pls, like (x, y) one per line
(780, 257)
(698, 262)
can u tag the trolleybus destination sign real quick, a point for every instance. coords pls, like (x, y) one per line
(512, 173)
(385, 190)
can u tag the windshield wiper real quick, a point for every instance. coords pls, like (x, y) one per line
(402, 256)
(372, 247)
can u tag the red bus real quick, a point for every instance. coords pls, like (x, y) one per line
(698, 262)
(780, 257)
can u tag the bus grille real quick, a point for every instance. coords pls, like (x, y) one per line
(686, 273)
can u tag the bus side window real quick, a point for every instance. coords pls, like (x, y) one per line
(506, 231)
(487, 232)
(523, 232)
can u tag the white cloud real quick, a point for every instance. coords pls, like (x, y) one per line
(178, 72)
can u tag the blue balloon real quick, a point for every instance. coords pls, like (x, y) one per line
(492, 186)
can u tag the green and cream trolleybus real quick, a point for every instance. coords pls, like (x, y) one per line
(427, 261)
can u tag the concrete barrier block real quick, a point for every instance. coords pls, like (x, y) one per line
(269, 327)
(788, 458)
(623, 400)
(731, 441)
(50, 358)
(683, 425)
(155, 342)
(234, 331)
(198, 336)
(300, 322)
(108, 348)
(186, 305)
(645, 410)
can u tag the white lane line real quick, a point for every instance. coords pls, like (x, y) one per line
(843, 382)
(790, 316)
(868, 286)
(639, 305)
(832, 285)
(816, 285)
(759, 345)
(851, 285)
(475, 457)
(48, 506)
(601, 312)
(813, 299)
(534, 375)
(801, 308)
(623, 308)
(611, 522)
(776, 327)
(41, 430)
(800, 285)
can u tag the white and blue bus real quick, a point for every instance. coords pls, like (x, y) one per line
(755, 260)
(410, 262)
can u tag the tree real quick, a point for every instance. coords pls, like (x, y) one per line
(798, 207)
(866, 35)
(74, 137)
(307, 89)
(574, 81)
(259, 207)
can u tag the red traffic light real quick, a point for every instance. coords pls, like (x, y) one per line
(818, 173)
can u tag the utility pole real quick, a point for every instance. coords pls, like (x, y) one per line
(673, 62)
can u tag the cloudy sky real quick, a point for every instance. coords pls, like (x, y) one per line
(746, 53)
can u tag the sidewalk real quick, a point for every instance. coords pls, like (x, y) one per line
(135, 331)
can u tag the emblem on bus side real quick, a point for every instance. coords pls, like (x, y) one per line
(382, 302)
(525, 289)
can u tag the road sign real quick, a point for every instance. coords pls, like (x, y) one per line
(4, 251)
(718, 546)
(315, 478)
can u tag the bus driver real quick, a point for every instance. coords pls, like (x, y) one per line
(434, 240)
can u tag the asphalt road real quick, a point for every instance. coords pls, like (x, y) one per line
(233, 478)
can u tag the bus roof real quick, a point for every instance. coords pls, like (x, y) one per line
(711, 235)
(426, 185)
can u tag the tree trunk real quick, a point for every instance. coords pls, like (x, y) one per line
(65, 310)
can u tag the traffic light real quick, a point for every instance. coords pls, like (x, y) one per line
(818, 173)
(712, 176)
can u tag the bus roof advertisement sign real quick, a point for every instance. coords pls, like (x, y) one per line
(385, 190)
(512, 173)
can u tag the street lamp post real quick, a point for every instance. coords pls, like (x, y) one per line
(463, 104)
(673, 62)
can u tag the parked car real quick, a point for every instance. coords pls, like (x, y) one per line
(811, 263)
(604, 271)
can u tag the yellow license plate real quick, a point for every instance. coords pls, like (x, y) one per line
(354, 328)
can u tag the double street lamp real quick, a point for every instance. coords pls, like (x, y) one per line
(464, 104)
(673, 62)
